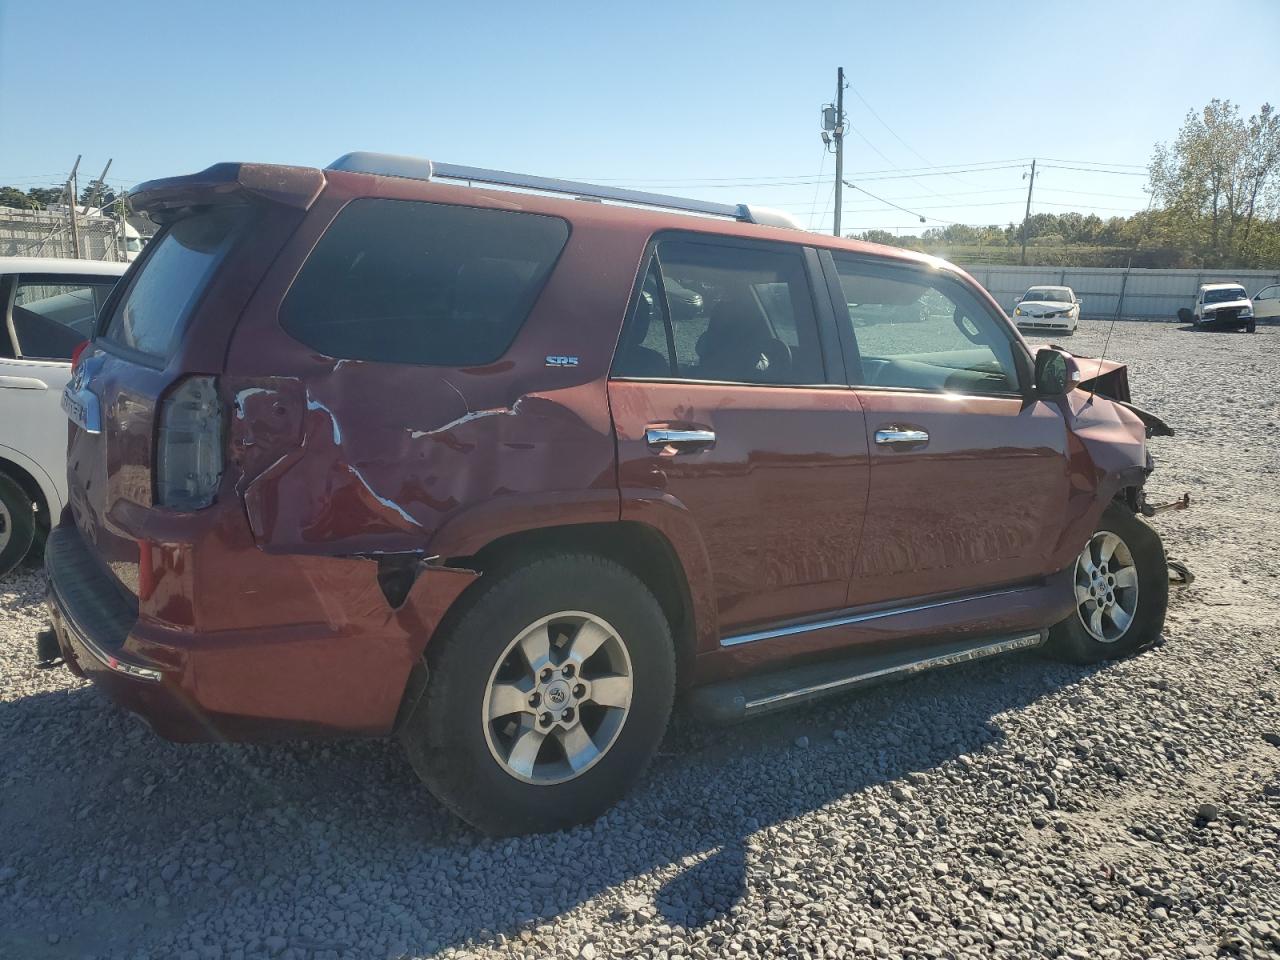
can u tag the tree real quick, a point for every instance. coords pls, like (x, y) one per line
(47, 195)
(1218, 178)
(13, 197)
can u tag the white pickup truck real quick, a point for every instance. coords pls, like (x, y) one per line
(49, 308)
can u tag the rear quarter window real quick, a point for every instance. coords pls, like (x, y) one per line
(405, 281)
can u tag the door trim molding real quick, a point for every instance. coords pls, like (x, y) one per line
(848, 617)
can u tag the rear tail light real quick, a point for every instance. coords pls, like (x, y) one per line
(189, 445)
(77, 352)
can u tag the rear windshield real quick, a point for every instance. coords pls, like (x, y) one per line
(153, 312)
(411, 282)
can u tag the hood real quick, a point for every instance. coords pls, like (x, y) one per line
(1039, 307)
(1236, 304)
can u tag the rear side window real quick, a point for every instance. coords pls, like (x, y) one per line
(153, 313)
(731, 313)
(411, 282)
(52, 315)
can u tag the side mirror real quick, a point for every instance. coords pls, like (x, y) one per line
(1018, 298)
(1056, 372)
(1079, 302)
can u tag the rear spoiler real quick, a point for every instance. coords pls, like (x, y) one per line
(165, 199)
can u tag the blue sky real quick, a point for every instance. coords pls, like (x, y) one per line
(678, 97)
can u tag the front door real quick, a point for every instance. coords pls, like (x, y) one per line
(726, 416)
(968, 474)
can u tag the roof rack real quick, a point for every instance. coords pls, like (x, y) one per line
(415, 168)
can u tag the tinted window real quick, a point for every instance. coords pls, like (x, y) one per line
(720, 312)
(410, 282)
(153, 313)
(1224, 296)
(924, 330)
(52, 316)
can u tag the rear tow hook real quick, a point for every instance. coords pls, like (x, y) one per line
(48, 653)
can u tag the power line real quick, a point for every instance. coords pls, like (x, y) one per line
(1119, 173)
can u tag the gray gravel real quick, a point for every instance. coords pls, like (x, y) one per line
(1010, 808)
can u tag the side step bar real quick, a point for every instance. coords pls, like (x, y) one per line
(734, 700)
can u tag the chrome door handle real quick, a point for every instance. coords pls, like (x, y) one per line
(891, 436)
(23, 383)
(658, 437)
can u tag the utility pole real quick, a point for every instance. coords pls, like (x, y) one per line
(839, 136)
(95, 187)
(71, 209)
(1026, 218)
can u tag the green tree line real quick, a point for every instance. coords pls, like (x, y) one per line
(1215, 202)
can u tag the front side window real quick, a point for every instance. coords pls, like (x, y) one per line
(406, 281)
(924, 330)
(152, 314)
(51, 316)
(710, 311)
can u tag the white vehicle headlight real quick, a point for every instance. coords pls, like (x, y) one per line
(1247, 312)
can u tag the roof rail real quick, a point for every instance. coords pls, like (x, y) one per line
(415, 168)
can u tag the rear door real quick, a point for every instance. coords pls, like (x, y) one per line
(726, 416)
(968, 473)
(45, 317)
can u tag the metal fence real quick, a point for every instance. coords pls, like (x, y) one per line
(36, 233)
(1110, 291)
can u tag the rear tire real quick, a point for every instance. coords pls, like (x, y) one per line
(17, 523)
(1122, 590)
(546, 698)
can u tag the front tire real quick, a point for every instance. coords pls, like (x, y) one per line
(1121, 583)
(17, 523)
(546, 698)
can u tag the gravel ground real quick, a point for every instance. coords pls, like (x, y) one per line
(1011, 808)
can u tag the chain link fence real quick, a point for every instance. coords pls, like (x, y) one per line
(39, 233)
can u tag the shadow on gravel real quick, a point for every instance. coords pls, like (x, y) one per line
(126, 841)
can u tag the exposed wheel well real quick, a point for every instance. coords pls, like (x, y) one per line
(638, 547)
(44, 522)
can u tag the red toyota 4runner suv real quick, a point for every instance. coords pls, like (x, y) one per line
(504, 463)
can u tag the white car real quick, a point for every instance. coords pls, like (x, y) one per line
(49, 308)
(1048, 308)
(1266, 303)
(1225, 306)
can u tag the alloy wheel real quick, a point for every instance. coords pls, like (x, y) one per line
(6, 526)
(1106, 585)
(557, 698)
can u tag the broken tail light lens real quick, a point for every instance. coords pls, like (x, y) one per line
(189, 445)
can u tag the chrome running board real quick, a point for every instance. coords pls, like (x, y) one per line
(734, 700)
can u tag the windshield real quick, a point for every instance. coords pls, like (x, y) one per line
(1223, 296)
(1049, 294)
(152, 314)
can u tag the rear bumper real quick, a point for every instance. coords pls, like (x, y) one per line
(341, 677)
(92, 622)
